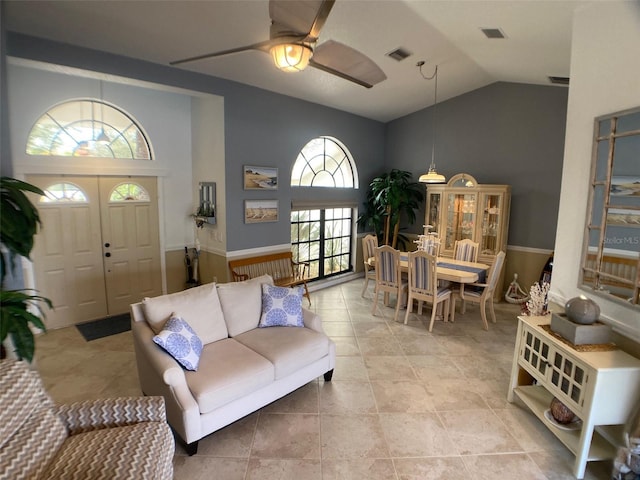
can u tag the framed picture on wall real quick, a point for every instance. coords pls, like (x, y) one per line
(625, 186)
(260, 178)
(260, 211)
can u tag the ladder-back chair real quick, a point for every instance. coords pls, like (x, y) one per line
(423, 285)
(388, 276)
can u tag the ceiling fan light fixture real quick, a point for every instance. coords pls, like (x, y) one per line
(291, 57)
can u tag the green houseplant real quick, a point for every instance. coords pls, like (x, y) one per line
(391, 196)
(19, 221)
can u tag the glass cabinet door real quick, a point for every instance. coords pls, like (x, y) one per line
(492, 211)
(461, 217)
(433, 211)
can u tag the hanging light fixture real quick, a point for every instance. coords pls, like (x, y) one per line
(102, 137)
(291, 57)
(432, 176)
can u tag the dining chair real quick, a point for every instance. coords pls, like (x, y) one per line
(369, 245)
(466, 250)
(423, 285)
(388, 276)
(481, 293)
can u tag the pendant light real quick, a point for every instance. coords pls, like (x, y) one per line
(102, 137)
(432, 176)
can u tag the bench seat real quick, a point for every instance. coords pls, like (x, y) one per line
(280, 266)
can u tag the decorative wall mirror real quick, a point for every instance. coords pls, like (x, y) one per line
(206, 213)
(611, 252)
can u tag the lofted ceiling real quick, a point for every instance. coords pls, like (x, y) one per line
(443, 32)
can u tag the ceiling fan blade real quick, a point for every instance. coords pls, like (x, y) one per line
(301, 16)
(264, 46)
(345, 62)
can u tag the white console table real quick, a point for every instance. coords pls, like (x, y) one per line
(601, 388)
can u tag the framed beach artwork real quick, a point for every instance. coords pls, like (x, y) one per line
(260, 178)
(260, 211)
(623, 218)
(625, 186)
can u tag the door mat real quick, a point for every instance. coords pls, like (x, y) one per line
(105, 327)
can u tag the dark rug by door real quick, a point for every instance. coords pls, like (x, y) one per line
(105, 327)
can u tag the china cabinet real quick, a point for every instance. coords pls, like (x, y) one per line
(464, 209)
(600, 387)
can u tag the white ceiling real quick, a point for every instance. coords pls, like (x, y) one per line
(444, 32)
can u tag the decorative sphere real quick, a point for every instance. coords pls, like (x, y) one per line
(582, 310)
(560, 412)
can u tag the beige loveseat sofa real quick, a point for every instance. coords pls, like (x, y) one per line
(104, 439)
(242, 367)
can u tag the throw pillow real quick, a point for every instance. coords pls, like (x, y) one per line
(181, 342)
(281, 307)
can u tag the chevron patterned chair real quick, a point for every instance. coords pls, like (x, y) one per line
(119, 438)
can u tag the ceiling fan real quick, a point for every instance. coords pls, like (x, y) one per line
(295, 28)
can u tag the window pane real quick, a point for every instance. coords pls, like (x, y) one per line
(88, 128)
(323, 162)
(126, 192)
(63, 192)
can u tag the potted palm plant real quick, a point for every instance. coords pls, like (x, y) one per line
(391, 196)
(19, 221)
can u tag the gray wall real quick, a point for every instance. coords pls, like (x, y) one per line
(504, 133)
(270, 130)
(5, 149)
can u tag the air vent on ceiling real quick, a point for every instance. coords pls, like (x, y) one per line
(399, 54)
(559, 80)
(493, 33)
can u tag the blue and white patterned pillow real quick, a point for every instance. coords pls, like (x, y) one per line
(281, 307)
(181, 342)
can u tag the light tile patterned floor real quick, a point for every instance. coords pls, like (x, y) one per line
(403, 404)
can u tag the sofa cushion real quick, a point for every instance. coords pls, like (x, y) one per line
(287, 348)
(228, 370)
(132, 451)
(281, 307)
(199, 306)
(181, 342)
(242, 303)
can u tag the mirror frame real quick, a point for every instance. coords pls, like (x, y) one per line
(613, 214)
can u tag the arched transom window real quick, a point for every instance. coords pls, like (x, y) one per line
(62, 193)
(129, 192)
(324, 162)
(88, 128)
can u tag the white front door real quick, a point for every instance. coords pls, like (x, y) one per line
(130, 237)
(94, 254)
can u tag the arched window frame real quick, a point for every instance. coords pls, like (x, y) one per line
(323, 235)
(313, 166)
(78, 195)
(141, 195)
(107, 132)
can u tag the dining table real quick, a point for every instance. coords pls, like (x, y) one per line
(449, 269)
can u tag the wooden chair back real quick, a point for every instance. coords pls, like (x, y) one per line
(466, 250)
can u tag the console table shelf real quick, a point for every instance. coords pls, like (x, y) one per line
(601, 388)
(537, 399)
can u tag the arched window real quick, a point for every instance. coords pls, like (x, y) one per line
(88, 128)
(129, 192)
(322, 235)
(324, 162)
(62, 193)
